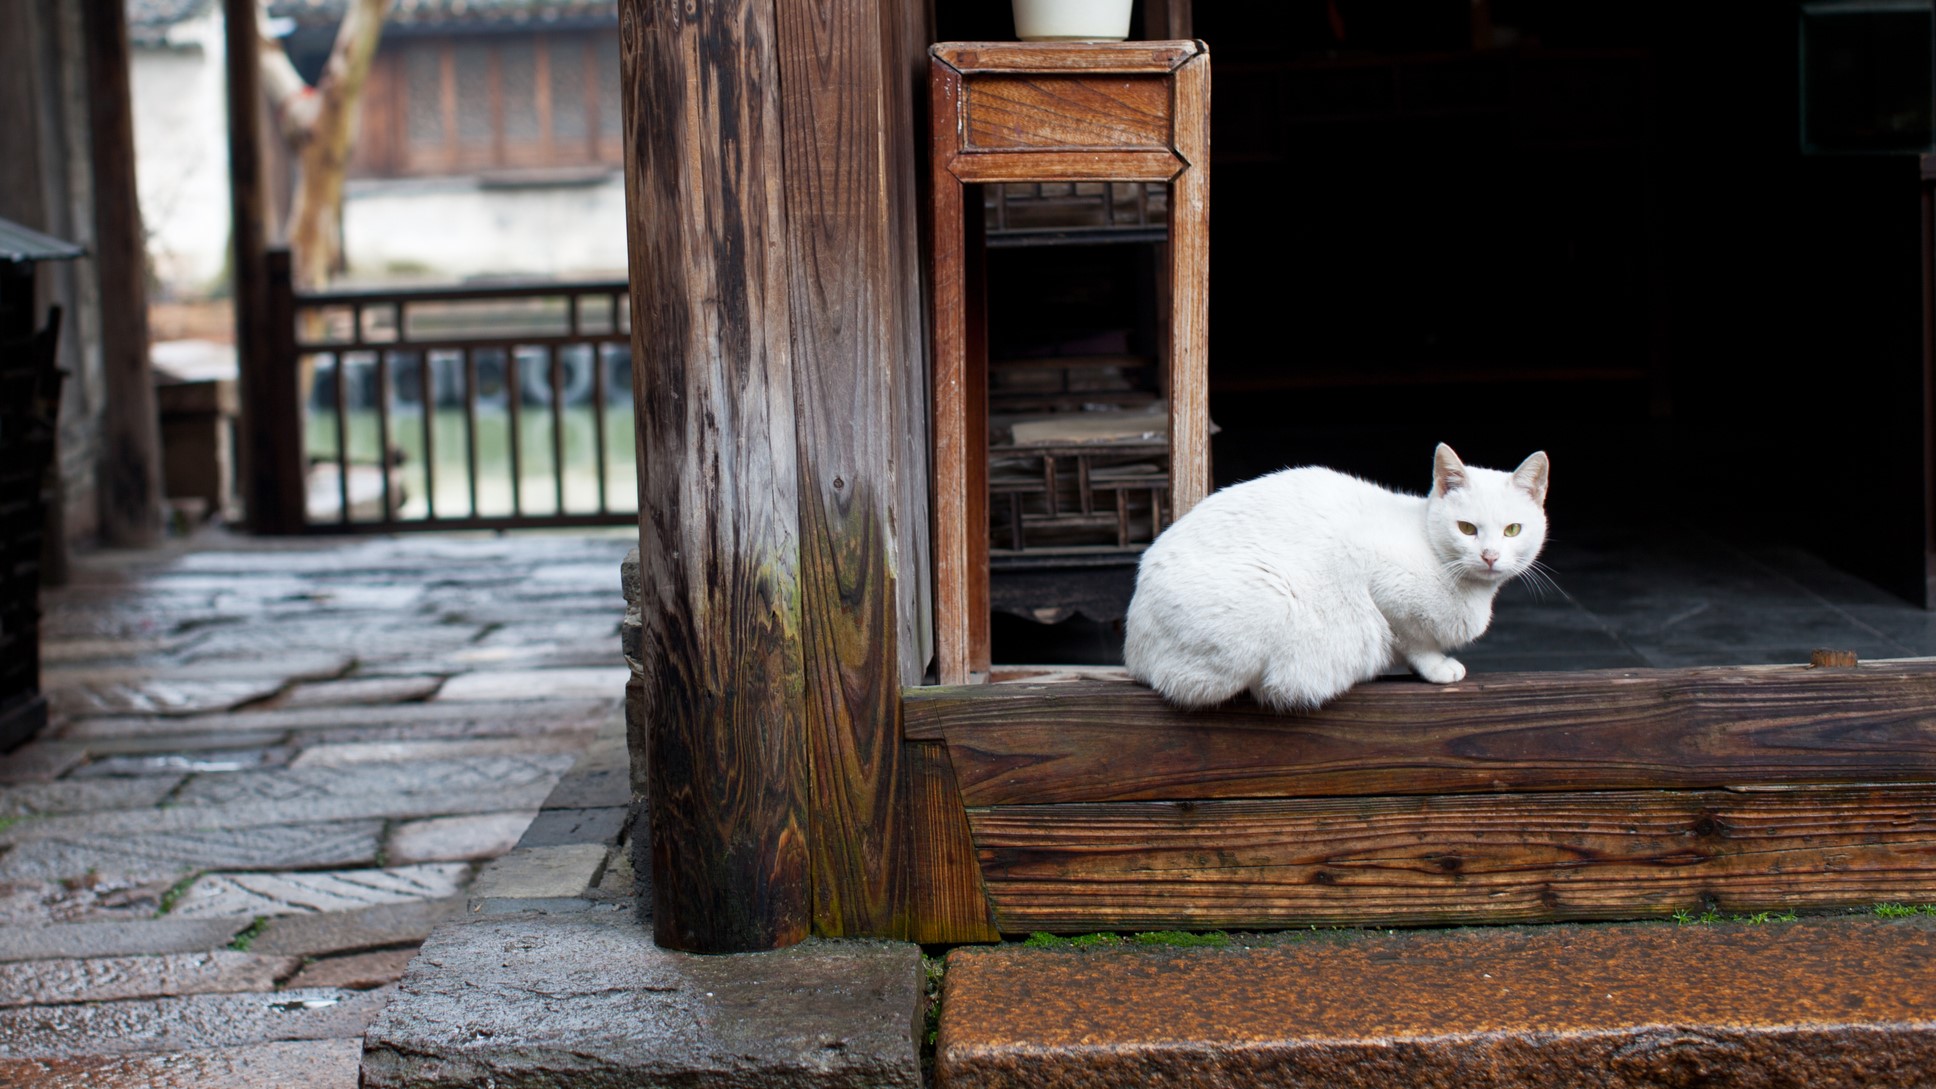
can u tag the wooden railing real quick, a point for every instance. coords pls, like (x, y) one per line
(378, 368)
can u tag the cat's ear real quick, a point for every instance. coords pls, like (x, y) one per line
(1530, 477)
(1448, 472)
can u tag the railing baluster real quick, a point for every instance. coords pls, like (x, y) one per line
(598, 423)
(513, 396)
(428, 381)
(338, 369)
(383, 434)
(470, 426)
(556, 362)
(378, 334)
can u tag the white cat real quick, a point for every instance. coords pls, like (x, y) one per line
(1297, 585)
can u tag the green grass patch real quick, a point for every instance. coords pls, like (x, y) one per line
(1904, 911)
(241, 942)
(933, 970)
(174, 894)
(1687, 918)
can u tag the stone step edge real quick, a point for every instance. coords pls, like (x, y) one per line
(1848, 1001)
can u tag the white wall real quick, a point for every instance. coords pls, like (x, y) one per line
(182, 154)
(453, 228)
(412, 229)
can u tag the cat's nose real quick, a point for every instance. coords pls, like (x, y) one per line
(1491, 556)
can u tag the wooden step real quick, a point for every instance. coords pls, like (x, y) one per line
(1844, 1001)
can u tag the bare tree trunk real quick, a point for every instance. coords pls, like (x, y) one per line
(319, 125)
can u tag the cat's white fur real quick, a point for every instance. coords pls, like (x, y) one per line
(1297, 585)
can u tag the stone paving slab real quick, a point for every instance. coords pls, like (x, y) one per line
(555, 827)
(356, 972)
(538, 684)
(360, 691)
(519, 656)
(477, 719)
(527, 1001)
(347, 753)
(494, 776)
(187, 755)
(1813, 1003)
(386, 925)
(539, 879)
(106, 979)
(116, 939)
(188, 1023)
(63, 651)
(306, 1064)
(86, 795)
(442, 839)
(160, 854)
(39, 761)
(303, 892)
(88, 898)
(277, 664)
(157, 696)
(368, 640)
(239, 816)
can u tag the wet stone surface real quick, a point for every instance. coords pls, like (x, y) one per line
(307, 1064)
(324, 933)
(317, 891)
(248, 810)
(104, 979)
(186, 1023)
(1816, 1002)
(587, 998)
(483, 835)
(160, 854)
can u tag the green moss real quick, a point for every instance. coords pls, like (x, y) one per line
(1184, 938)
(174, 894)
(241, 942)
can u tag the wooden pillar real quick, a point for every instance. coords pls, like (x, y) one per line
(130, 454)
(779, 381)
(719, 533)
(270, 431)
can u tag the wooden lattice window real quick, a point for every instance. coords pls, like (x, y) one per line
(456, 105)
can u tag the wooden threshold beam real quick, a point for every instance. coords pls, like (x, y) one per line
(1035, 743)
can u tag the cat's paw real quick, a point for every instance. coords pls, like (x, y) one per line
(1439, 669)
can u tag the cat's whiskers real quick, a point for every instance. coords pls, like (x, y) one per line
(1539, 579)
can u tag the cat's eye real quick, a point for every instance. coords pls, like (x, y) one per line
(1468, 529)
(1512, 530)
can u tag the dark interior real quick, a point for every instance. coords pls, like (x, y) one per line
(1681, 249)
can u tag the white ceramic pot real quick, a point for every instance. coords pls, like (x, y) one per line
(1072, 20)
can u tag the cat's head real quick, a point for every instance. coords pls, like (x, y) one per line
(1486, 524)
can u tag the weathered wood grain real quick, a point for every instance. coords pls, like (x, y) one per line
(1090, 57)
(955, 444)
(719, 502)
(1188, 360)
(836, 78)
(1117, 741)
(1451, 860)
(1068, 111)
(129, 465)
(907, 28)
(949, 904)
(1005, 166)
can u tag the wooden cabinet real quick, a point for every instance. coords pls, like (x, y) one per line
(1006, 112)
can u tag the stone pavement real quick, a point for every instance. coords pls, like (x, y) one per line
(273, 768)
